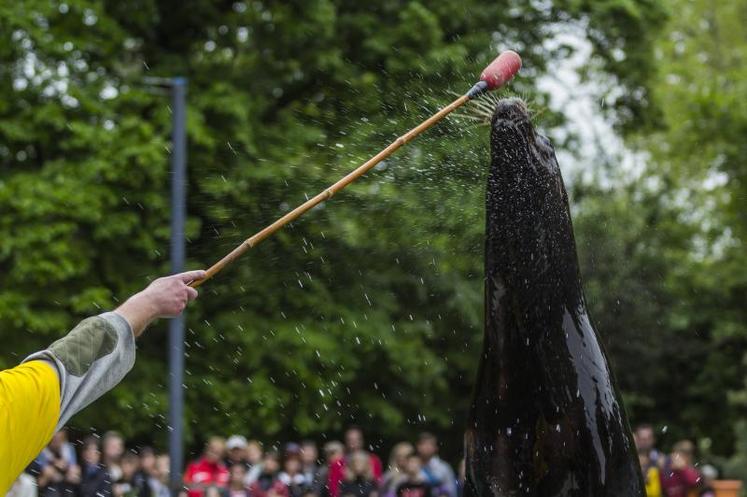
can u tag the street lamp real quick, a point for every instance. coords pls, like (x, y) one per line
(178, 89)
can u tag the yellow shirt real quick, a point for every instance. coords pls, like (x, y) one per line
(29, 411)
(653, 482)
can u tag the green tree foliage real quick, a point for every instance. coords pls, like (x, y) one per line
(664, 252)
(700, 87)
(368, 309)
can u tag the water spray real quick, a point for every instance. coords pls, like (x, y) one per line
(495, 75)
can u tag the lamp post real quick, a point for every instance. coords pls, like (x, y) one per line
(176, 325)
(177, 88)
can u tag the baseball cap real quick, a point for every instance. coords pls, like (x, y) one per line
(236, 442)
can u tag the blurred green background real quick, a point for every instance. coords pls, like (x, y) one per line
(369, 309)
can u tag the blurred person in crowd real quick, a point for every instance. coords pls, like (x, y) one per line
(112, 449)
(149, 468)
(292, 476)
(359, 478)
(41, 394)
(60, 445)
(213, 491)
(355, 442)
(148, 461)
(95, 480)
(415, 483)
(651, 474)
(438, 474)
(236, 451)
(645, 441)
(310, 467)
(208, 471)
(236, 481)
(334, 453)
(709, 474)
(679, 476)
(59, 474)
(462, 477)
(268, 482)
(133, 482)
(254, 456)
(395, 473)
(161, 483)
(24, 486)
(254, 453)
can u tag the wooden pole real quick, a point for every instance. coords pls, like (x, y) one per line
(328, 193)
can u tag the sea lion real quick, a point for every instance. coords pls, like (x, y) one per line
(546, 419)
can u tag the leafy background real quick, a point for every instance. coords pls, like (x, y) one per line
(368, 310)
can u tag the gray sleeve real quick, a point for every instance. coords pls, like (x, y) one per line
(91, 360)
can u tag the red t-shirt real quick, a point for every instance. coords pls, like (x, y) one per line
(376, 467)
(203, 474)
(337, 473)
(678, 482)
(335, 476)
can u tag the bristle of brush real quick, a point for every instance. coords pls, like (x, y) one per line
(479, 111)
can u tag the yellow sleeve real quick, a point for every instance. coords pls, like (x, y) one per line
(29, 410)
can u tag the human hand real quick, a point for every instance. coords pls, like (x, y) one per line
(73, 474)
(168, 296)
(165, 297)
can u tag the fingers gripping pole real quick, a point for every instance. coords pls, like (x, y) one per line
(499, 72)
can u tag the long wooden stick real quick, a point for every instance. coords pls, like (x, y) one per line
(255, 239)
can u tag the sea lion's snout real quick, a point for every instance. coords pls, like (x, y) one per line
(513, 110)
(516, 143)
(511, 123)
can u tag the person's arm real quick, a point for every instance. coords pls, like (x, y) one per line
(95, 356)
(449, 479)
(49, 387)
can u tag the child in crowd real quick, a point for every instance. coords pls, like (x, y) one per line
(208, 471)
(414, 485)
(133, 482)
(236, 481)
(268, 483)
(335, 453)
(396, 472)
(254, 455)
(292, 477)
(679, 477)
(160, 483)
(95, 480)
(359, 477)
(112, 449)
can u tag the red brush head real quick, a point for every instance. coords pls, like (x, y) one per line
(501, 70)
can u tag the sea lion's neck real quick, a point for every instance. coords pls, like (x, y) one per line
(530, 249)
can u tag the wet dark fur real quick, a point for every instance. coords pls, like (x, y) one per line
(546, 419)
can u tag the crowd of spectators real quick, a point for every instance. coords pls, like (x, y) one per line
(100, 468)
(675, 474)
(238, 467)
